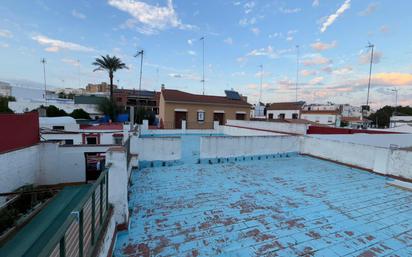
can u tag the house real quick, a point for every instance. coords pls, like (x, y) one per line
(322, 117)
(284, 110)
(200, 111)
(99, 88)
(396, 121)
(127, 98)
(355, 122)
(5, 89)
(258, 111)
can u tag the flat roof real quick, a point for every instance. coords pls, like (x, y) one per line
(31, 239)
(275, 207)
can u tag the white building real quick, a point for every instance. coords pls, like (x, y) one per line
(5, 89)
(397, 121)
(322, 117)
(258, 111)
(284, 110)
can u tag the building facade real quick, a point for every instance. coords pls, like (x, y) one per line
(5, 89)
(99, 88)
(284, 110)
(200, 111)
(137, 98)
(322, 117)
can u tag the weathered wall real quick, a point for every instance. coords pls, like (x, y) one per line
(18, 168)
(213, 147)
(18, 131)
(156, 148)
(271, 126)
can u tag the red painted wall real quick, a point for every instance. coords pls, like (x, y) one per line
(330, 130)
(18, 131)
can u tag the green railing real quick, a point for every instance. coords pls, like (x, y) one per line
(79, 233)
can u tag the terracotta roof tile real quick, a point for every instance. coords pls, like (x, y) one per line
(286, 106)
(320, 112)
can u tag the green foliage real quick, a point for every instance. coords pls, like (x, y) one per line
(109, 108)
(53, 111)
(63, 95)
(143, 113)
(381, 117)
(80, 114)
(4, 104)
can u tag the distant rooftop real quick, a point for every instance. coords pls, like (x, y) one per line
(286, 106)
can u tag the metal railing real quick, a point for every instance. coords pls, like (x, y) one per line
(128, 154)
(79, 233)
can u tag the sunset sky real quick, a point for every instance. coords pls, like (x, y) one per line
(239, 37)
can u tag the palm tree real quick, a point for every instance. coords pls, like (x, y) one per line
(111, 65)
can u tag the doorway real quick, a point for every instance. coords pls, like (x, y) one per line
(179, 117)
(95, 163)
(219, 117)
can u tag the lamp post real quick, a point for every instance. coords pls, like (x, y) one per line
(396, 98)
(43, 61)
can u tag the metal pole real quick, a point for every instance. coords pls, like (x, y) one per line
(44, 77)
(141, 70)
(370, 73)
(203, 63)
(261, 79)
(297, 72)
(78, 62)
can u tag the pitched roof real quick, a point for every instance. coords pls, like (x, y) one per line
(321, 112)
(286, 106)
(172, 95)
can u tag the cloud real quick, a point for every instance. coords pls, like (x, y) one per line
(190, 52)
(392, 79)
(245, 21)
(290, 35)
(343, 71)
(228, 41)
(3, 45)
(319, 46)
(72, 62)
(78, 14)
(268, 51)
(384, 29)
(255, 31)
(369, 10)
(315, 3)
(190, 41)
(315, 59)
(332, 18)
(306, 73)
(55, 45)
(289, 11)
(150, 18)
(316, 81)
(248, 6)
(5, 33)
(188, 76)
(364, 57)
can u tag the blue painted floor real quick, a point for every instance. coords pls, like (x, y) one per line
(278, 207)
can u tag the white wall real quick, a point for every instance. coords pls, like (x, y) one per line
(17, 168)
(156, 148)
(213, 147)
(177, 131)
(381, 140)
(77, 138)
(400, 163)
(288, 113)
(233, 131)
(326, 119)
(273, 126)
(22, 106)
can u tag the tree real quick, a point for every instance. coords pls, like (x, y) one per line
(80, 114)
(53, 111)
(143, 113)
(109, 108)
(4, 104)
(111, 65)
(381, 117)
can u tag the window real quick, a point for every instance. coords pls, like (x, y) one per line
(68, 141)
(281, 116)
(330, 119)
(91, 140)
(294, 116)
(270, 116)
(240, 116)
(58, 127)
(200, 116)
(118, 140)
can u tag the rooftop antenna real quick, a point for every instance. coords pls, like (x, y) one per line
(203, 63)
(140, 53)
(371, 46)
(43, 61)
(297, 72)
(261, 80)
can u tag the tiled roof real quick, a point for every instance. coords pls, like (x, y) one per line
(286, 106)
(321, 112)
(171, 95)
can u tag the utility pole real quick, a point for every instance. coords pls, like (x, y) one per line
(140, 53)
(43, 61)
(396, 99)
(297, 72)
(203, 63)
(371, 46)
(261, 80)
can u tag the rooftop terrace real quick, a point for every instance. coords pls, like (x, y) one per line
(274, 207)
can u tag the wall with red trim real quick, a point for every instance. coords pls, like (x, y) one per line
(331, 130)
(18, 131)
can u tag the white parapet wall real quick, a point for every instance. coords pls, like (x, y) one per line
(280, 127)
(382, 160)
(234, 146)
(156, 148)
(235, 131)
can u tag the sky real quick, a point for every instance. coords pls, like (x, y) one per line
(244, 42)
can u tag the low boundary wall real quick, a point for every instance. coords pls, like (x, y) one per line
(268, 126)
(156, 148)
